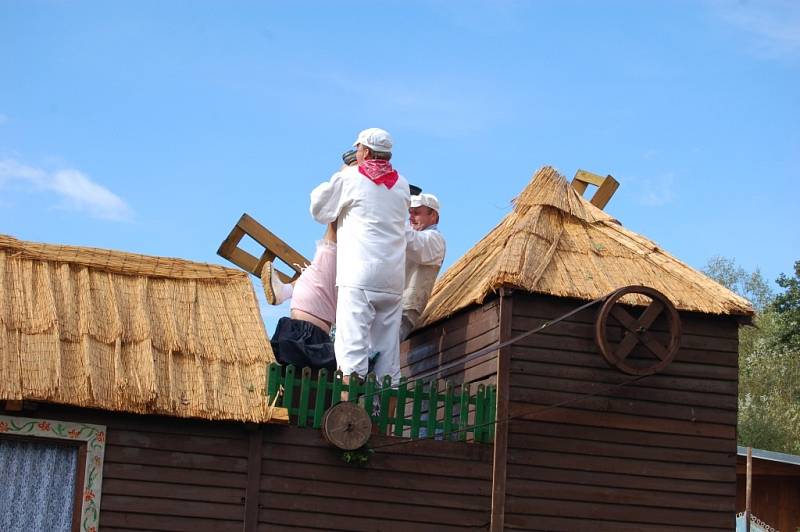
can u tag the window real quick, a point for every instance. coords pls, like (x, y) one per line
(52, 474)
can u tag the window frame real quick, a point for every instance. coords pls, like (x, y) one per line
(90, 441)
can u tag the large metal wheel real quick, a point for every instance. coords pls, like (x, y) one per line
(346, 426)
(637, 331)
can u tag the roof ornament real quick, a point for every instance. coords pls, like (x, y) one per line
(274, 248)
(606, 186)
(346, 426)
(632, 331)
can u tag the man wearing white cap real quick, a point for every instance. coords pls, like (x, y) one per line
(425, 250)
(369, 203)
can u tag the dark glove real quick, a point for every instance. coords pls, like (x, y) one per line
(349, 157)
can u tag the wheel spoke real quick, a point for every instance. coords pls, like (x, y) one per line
(654, 347)
(624, 318)
(626, 346)
(651, 313)
(635, 327)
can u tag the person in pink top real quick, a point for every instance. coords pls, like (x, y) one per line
(303, 339)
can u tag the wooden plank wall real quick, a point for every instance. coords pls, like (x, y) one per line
(452, 339)
(422, 485)
(168, 474)
(658, 454)
(775, 497)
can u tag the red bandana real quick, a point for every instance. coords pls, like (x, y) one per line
(379, 172)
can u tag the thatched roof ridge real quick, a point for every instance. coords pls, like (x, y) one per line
(117, 331)
(555, 242)
(553, 190)
(119, 261)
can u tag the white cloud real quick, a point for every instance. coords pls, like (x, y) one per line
(658, 191)
(12, 170)
(76, 190)
(774, 25)
(84, 194)
(3, 119)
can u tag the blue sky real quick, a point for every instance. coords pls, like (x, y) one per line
(151, 126)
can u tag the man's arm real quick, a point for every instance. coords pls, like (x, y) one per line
(327, 200)
(424, 247)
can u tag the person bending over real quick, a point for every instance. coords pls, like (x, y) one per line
(303, 339)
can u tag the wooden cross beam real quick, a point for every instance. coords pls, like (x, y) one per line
(606, 186)
(274, 248)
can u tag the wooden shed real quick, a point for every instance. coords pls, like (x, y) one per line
(89, 334)
(775, 489)
(133, 397)
(581, 445)
(142, 381)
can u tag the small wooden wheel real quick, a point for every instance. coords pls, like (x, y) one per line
(636, 331)
(346, 426)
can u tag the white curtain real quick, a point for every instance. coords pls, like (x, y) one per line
(37, 485)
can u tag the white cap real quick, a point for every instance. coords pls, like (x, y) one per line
(425, 200)
(376, 139)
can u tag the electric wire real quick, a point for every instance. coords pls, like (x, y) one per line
(524, 413)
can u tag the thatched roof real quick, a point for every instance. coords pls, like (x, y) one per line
(117, 331)
(555, 242)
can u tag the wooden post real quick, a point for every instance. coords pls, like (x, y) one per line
(748, 489)
(500, 456)
(253, 480)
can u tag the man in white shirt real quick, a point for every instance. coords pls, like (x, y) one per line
(314, 293)
(369, 203)
(425, 251)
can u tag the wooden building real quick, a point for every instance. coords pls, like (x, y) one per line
(586, 446)
(775, 488)
(132, 397)
(143, 379)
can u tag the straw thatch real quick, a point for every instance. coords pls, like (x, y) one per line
(555, 242)
(117, 331)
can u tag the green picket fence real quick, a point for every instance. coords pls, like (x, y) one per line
(460, 414)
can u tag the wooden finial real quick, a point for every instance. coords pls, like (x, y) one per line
(274, 248)
(606, 186)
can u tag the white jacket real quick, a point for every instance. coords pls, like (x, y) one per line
(371, 240)
(424, 256)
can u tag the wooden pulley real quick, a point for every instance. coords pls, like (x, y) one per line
(637, 331)
(346, 426)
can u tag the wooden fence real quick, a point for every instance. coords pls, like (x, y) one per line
(402, 409)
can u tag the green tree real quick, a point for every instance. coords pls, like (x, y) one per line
(769, 358)
(750, 285)
(787, 306)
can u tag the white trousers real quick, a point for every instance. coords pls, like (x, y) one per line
(407, 323)
(368, 321)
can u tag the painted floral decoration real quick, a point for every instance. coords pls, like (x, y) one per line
(95, 438)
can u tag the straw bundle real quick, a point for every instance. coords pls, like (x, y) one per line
(555, 242)
(105, 329)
